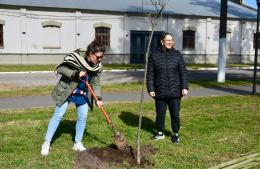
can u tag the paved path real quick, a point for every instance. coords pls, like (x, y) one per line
(44, 101)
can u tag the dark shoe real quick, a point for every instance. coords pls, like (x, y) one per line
(158, 136)
(175, 139)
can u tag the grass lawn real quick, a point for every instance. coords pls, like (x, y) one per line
(51, 67)
(20, 68)
(197, 66)
(213, 130)
(12, 91)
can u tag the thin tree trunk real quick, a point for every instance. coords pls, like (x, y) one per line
(142, 98)
(153, 22)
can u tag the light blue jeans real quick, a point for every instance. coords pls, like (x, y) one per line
(82, 111)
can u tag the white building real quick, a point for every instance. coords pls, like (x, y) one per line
(42, 32)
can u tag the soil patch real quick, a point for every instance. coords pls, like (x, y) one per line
(106, 157)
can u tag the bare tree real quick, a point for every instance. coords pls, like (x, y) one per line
(154, 19)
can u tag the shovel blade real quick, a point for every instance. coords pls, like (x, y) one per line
(121, 142)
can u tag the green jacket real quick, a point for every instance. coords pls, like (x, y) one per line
(68, 83)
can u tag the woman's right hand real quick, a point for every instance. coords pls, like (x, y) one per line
(152, 94)
(184, 92)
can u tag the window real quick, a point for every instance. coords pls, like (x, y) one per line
(188, 39)
(1, 36)
(2, 23)
(51, 34)
(102, 35)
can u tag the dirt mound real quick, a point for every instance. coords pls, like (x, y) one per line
(105, 157)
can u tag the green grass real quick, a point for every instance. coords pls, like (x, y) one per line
(197, 66)
(228, 83)
(12, 91)
(213, 130)
(123, 66)
(19, 68)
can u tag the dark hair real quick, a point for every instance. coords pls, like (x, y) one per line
(163, 37)
(94, 47)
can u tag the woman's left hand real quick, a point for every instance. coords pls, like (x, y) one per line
(82, 73)
(99, 103)
(184, 92)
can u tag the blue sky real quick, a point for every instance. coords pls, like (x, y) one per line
(251, 3)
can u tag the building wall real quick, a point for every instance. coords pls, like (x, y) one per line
(12, 31)
(24, 36)
(247, 49)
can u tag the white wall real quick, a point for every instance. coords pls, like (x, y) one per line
(75, 33)
(12, 30)
(36, 36)
(248, 51)
(23, 35)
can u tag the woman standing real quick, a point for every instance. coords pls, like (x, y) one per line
(77, 67)
(167, 83)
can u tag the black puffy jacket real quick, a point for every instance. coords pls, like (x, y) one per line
(166, 74)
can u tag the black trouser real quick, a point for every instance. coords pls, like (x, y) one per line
(174, 108)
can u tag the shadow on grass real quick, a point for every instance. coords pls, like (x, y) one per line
(235, 81)
(132, 119)
(232, 90)
(66, 126)
(234, 86)
(94, 137)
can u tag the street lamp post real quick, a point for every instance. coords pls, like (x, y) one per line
(256, 48)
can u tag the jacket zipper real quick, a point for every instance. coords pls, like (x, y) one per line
(167, 75)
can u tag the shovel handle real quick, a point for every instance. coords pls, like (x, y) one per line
(101, 107)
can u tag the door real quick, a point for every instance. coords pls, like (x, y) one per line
(139, 42)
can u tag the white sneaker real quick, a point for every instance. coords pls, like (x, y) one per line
(45, 148)
(158, 136)
(78, 146)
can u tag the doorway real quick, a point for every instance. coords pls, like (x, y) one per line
(139, 42)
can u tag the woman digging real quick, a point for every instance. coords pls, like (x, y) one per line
(77, 68)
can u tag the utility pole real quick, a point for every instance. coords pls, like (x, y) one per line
(222, 42)
(256, 49)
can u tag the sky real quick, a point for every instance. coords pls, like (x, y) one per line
(251, 3)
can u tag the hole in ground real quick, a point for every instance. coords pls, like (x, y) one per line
(106, 157)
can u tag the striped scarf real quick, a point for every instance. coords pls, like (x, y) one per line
(76, 60)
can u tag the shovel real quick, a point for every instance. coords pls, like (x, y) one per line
(119, 138)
